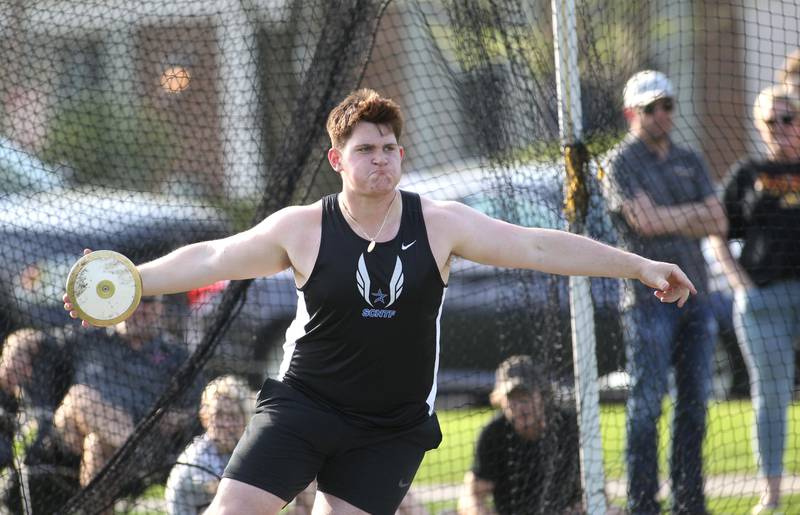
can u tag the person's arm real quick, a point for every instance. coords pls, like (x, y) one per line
(474, 498)
(460, 230)
(259, 251)
(736, 275)
(692, 219)
(736, 197)
(264, 250)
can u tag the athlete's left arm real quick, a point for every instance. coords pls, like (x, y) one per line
(472, 235)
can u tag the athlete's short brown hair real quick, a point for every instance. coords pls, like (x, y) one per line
(363, 105)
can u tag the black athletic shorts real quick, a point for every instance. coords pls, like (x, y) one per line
(291, 440)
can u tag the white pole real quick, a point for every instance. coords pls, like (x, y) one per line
(587, 397)
(239, 84)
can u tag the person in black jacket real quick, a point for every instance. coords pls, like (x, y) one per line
(762, 200)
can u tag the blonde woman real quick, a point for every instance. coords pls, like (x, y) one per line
(762, 200)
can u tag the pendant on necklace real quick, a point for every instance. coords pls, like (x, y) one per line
(371, 246)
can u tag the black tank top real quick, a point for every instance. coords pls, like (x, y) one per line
(365, 340)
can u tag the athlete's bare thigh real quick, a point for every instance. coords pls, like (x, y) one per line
(327, 504)
(237, 498)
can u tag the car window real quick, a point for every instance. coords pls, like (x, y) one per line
(21, 171)
(519, 209)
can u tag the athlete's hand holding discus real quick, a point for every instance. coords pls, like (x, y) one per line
(103, 288)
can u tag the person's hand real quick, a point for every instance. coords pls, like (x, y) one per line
(68, 304)
(669, 281)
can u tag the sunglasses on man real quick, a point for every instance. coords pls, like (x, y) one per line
(666, 105)
(784, 120)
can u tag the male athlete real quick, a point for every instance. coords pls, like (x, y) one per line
(353, 403)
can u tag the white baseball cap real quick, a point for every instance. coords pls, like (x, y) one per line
(646, 87)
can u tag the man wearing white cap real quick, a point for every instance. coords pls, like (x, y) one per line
(663, 203)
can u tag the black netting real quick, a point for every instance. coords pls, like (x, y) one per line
(147, 125)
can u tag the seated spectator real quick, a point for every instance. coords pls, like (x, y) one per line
(16, 370)
(116, 383)
(526, 458)
(35, 372)
(195, 477)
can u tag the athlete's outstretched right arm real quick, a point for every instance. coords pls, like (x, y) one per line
(260, 251)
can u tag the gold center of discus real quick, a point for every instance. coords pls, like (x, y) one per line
(105, 289)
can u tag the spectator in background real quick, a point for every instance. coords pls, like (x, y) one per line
(117, 381)
(526, 458)
(762, 199)
(35, 369)
(662, 202)
(193, 480)
(35, 373)
(16, 371)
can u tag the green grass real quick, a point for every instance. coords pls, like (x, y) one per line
(453, 458)
(726, 447)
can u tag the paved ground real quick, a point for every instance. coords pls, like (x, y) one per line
(733, 485)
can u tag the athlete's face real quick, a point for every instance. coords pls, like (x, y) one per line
(370, 160)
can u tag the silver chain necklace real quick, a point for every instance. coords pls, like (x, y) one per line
(372, 239)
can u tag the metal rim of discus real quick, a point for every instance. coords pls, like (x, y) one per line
(101, 288)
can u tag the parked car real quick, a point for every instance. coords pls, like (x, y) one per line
(488, 313)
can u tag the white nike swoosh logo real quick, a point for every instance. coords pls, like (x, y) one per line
(403, 246)
(403, 483)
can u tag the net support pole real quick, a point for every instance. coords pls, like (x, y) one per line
(238, 78)
(587, 396)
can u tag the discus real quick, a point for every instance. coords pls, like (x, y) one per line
(104, 287)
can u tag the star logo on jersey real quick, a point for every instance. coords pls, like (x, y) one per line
(380, 296)
(364, 283)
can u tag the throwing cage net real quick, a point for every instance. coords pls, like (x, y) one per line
(142, 126)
